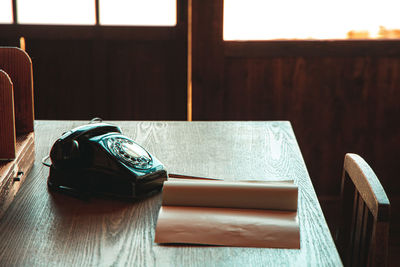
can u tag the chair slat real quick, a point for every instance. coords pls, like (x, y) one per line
(358, 233)
(364, 240)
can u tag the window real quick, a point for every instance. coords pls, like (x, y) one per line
(6, 11)
(56, 12)
(83, 12)
(138, 12)
(311, 19)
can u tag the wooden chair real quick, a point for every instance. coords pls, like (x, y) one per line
(362, 239)
(17, 147)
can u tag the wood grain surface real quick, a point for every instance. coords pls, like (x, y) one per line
(42, 228)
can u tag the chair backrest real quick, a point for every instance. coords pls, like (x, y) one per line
(18, 65)
(363, 234)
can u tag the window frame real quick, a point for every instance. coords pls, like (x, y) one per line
(312, 48)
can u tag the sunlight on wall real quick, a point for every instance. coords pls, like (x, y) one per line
(56, 12)
(138, 12)
(5, 11)
(311, 19)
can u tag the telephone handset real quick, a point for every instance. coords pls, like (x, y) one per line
(97, 159)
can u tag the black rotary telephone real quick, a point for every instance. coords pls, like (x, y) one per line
(97, 159)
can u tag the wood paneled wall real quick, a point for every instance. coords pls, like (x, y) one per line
(336, 105)
(128, 80)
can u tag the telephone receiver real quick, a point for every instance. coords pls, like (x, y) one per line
(97, 159)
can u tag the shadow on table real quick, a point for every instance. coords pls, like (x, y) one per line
(66, 205)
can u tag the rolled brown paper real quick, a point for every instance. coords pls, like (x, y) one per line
(226, 194)
(228, 227)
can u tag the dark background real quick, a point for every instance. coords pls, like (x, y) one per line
(340, 96)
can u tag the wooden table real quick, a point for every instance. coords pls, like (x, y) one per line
(45, 228)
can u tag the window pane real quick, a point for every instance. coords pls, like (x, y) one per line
(310, 19)
(56, 12)
(5, 11)
(138, 12)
